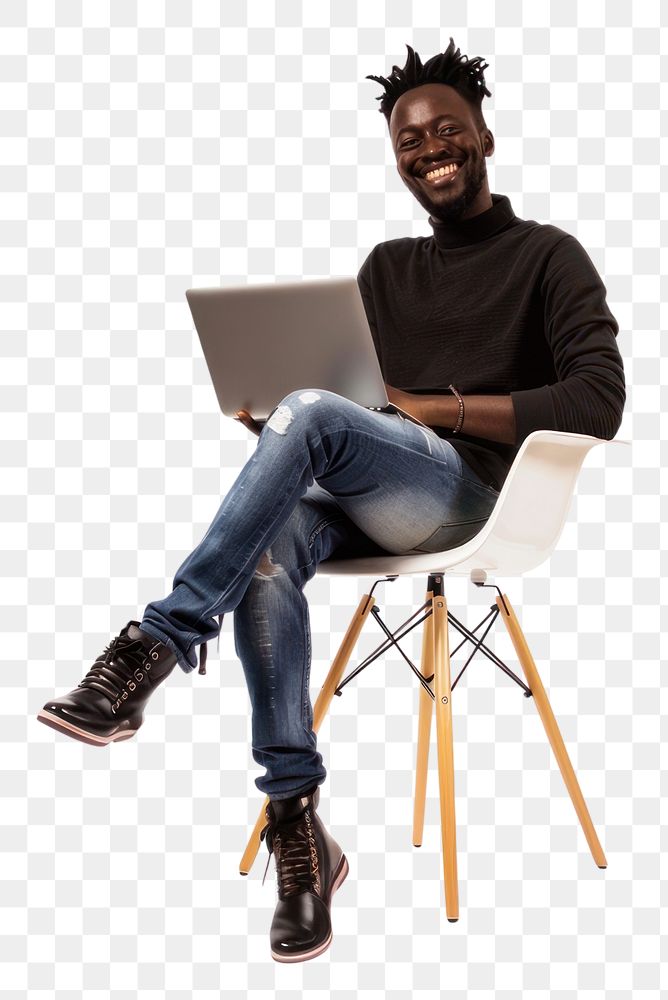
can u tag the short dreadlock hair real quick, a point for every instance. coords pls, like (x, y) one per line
(450, 67)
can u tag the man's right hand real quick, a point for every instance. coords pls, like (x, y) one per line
(248, 422)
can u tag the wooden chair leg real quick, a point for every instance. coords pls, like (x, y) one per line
(446, 768)
(319, 711)
(424, 729)
(551, 728)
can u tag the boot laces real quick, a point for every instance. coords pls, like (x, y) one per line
(123, 660)
(295, 854)
(203, 646)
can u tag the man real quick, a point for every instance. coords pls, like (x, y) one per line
(510, 312)
(486, 330)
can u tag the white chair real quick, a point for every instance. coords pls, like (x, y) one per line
(521, 532)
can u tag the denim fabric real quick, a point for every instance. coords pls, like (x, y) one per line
(327, 476)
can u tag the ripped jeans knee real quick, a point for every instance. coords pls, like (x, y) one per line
(266, 568)
(303, 401)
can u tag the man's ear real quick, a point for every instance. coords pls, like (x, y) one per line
(488, 142)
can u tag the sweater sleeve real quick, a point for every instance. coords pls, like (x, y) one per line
(590, 393)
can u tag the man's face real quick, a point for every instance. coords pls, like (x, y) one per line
(432, 126)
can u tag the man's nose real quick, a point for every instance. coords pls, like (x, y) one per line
(434, 146)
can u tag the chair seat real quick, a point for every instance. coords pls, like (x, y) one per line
(454, 562)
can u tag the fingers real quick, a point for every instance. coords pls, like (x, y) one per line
(248, 422)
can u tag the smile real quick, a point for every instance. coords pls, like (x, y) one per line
(443, 175)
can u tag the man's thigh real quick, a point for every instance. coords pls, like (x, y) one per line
(317, 529)
(401, 484)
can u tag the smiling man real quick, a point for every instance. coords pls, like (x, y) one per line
(485, 330)
(493, 326)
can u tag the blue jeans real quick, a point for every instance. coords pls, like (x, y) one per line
(327, 476)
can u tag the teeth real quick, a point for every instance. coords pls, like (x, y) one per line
(441, 172)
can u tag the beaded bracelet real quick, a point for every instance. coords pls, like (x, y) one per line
(460, 419)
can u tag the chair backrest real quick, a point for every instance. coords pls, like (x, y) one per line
(533, 504)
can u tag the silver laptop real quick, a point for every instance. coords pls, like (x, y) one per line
(261, 342)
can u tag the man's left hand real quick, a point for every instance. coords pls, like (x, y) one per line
(249, 422)
(411, 402)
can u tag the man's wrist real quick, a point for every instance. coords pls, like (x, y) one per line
(439, 411)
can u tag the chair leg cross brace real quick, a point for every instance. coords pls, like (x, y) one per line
(469, 635)
(435, 666)
(385, 645)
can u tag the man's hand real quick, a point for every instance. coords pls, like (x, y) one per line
(411, 402)
(248, 422)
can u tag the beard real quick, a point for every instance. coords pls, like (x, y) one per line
(449, 207)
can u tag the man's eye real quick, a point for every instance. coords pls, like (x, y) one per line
(445, 129)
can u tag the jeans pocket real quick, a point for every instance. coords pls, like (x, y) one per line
(449, 536)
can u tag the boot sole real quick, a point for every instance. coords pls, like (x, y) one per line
(68, 729)
(303, 956)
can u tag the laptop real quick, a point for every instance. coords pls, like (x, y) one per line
(263, 341)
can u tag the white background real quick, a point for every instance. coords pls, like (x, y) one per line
(143, 153)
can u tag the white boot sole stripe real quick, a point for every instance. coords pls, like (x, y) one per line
(56, 722)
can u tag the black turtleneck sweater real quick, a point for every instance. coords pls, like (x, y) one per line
(498, 305)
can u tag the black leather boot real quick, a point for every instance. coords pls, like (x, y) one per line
(310, 867)
(108, 704)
